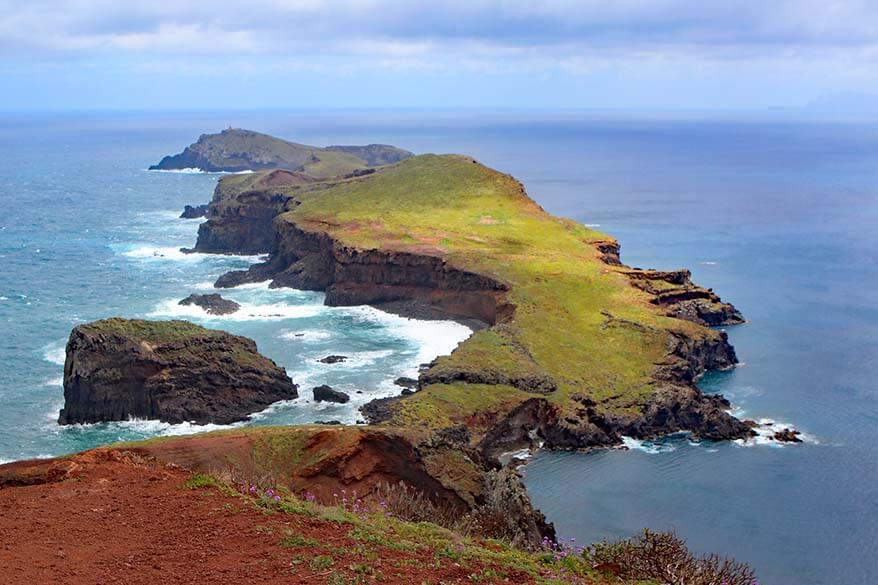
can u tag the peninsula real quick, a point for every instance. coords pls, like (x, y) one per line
(572, 350)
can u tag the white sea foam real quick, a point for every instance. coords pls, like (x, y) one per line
(306, 335)
(4, 298)
(172, 253)
(198, 171)
(247, 312)
(432, 338)
(765, 429)
(520, 455)
(162, 253)
(261, 285)
(651, 447)
(206, 285)
(361, 358)
(165, 216)
(185, 171)
(55, 354)
(153, 427)
(59, 381)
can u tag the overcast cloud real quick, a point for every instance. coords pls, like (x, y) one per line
(786, 52)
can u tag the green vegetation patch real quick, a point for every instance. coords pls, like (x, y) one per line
(577, 321)
(149, 331)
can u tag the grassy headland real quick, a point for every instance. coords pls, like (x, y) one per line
(578, 322)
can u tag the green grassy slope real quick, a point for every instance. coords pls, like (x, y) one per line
(151, 331)
(481, 220)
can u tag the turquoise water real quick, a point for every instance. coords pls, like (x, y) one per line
(88, 233)
(778, 217)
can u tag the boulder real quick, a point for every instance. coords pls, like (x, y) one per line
(173, 371)
(333, 359)
(405, 382)
(213, 304)
(325, 393)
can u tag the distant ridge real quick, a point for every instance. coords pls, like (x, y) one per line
(235, 150)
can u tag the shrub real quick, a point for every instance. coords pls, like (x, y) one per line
(664, 557)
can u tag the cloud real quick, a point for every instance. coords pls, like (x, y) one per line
(404, 29)
(692, 53)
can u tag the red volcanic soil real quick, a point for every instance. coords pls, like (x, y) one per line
(106, 517)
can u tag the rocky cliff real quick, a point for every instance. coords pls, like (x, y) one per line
(171, 371)
(311, 251)
(240, 213)
(313, 260)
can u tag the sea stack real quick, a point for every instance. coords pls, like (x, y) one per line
(172, 371)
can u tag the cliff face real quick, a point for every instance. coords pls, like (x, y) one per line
(171, 371)
(313, 260)
(240, 213)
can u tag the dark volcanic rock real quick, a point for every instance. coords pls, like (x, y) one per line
(333, 359)
(404, 382)
(313, 260)
(683, 299)
(240, 223)
(787, 436)
(380, 409)
(194, 212)
(214, 304)
(173, 371)
(325, 393)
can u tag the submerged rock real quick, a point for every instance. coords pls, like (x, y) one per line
(324, 393)
(173, 371)
(214, 304)
(194, 212)
(333, 359)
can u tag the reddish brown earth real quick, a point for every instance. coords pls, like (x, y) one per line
(108, 517)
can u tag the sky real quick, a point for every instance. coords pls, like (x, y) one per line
(654, 55)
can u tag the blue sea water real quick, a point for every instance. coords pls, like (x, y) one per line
(778, 217)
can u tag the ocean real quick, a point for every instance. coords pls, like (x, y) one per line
(776, 216)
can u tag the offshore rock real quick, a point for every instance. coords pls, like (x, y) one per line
(173, 371)
(324, 393)
(213, 304)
